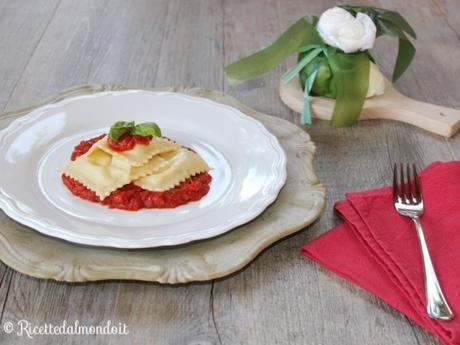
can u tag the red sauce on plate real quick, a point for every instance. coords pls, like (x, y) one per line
(131, 197)
(84, 147)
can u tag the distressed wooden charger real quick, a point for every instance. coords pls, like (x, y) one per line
(299, 204)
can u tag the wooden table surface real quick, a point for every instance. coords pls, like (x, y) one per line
(281, 298)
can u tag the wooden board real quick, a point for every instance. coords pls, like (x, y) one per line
(392, 105)
(299, 203)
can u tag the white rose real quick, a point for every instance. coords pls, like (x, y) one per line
(376, 82)
(338, 28)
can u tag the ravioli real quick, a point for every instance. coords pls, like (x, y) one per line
(140, 154)
(102, 174)
(180, 165)
(158, 166)
(103, 170)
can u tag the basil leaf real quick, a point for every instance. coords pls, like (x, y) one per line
(119, 129)
(299, 34)
(145, 129)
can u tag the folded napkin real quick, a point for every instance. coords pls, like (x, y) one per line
(377, 249)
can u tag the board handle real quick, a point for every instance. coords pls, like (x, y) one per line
(433, 118)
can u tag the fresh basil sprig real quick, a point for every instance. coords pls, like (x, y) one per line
(121, 128)
(146, 128)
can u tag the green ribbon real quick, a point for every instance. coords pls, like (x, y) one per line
(312, 51)
(301, 64)
(324, 70)
(324, 84)
(351, 75)
(344, 76)
(305, 117)
(299, 34)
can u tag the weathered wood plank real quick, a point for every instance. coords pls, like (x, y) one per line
(119, 42)
(340, 150)
(281, 298)
(22, 25)
(192, 50)
(97, 41)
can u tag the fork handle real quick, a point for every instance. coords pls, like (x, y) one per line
(437, 306)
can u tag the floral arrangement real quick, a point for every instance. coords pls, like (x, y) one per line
(333, 57)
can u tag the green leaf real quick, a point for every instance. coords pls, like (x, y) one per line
(399, 21)
(351, 75)
(120, 128)
(393, 24)
(299, 34)
(145, 129)
(406, 52)
(372, 12)
(385, 27)
(300, 65)
(359, 8)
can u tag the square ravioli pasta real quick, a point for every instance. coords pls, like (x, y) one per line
(104, 170)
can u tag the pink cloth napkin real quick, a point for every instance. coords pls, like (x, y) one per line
(377, 249)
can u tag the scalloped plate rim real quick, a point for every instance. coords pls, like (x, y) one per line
(11, 209)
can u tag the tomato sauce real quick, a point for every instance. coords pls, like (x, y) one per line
(84, 147)
(131, 197)
(127, 142)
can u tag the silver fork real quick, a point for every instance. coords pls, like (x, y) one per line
(407, 196)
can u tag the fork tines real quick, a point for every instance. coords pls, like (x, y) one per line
(406, 189)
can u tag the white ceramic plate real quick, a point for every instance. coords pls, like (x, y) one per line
(248, 169)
